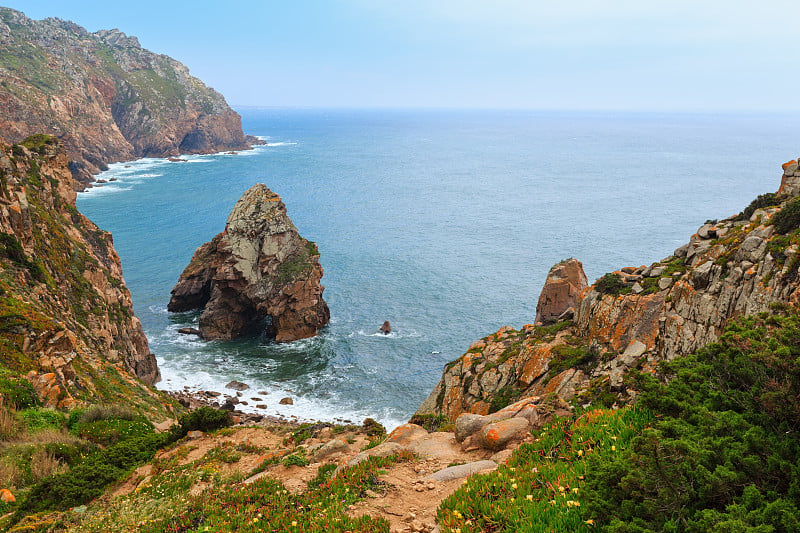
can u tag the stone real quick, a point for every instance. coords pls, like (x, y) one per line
(189, 331)
(461, 471)
(381, 450)
(635, 349)
(702, 274)
(467, 424)
(259, 267)
(637, 288)
(561, 290)
(336, 445)
(502, 456)
(386, 328)
(406, 434)
(286, 401)
(665, 283)
(656, 271)
(6, 496)
(194, 434)
(261, 406)
(237, 385)
(707, 231)
(495, 436)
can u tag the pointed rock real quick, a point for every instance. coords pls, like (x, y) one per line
(564, 283)
(258, 268)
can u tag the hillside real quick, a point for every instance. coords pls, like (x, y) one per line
(636, 317)
(104, 96)
(66, 318)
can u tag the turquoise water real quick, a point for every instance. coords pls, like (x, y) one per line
(443, 222)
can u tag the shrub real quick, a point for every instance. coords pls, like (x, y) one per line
(373, 428)
(762, 200)
(18, 393)
(40, 418)
(9, 425)
(609, 284)
(788, 218)
(429, 422)
(723, 454)
(202, 419)
(111, 431)
(93, 413)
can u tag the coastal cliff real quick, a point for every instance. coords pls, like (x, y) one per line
(104, 96)
(66, 318)
(259, 267)
(636, 317)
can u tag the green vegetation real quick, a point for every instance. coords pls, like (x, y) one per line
(39, 142)
(788, 218)
(610, 283)
(430, 422)
(722, 456)
(769, 199)
(504, 397)
(202, 419)
(541, 488)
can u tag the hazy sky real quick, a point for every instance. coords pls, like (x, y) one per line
(567, 54)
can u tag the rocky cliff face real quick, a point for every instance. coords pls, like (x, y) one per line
(104, 96)
(638, 316)
(66, 318)
(258, 267)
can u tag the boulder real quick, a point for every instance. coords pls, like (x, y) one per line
(286, 401)
(237, 385)
(467, 424)
(561, 290)
(461, 471)
(6, 496)
(332, 446)
(189, 331)
(386, 328)
(259, 268)
(406, 434)
(495, 436)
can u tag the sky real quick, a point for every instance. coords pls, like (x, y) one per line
(676, 55)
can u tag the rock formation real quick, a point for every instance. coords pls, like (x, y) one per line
(66, 319)
(635, 317)
(563, 286)
(104, 96)
(258, 268)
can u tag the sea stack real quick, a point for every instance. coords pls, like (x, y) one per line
(258, 268)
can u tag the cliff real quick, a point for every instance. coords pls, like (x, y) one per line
(258, 268)
(104, 96)
(638, 316)
(66, 318)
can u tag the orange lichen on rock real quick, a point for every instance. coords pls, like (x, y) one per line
(6, 496)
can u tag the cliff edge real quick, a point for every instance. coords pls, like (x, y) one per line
(636, 317)
(258, 268)
(66, 318)
(104, 96)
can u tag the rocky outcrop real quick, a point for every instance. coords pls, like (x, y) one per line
(258, 268)
(563, 286)
(66, 318)
(104, 96)
(635, 317)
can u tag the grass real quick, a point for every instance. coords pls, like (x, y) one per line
(541, 487)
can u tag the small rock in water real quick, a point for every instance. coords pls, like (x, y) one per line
(286, 401)
(189, 331)
(237, 385)
(386, 328)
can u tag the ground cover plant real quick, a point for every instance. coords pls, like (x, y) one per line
(541, 487)
(722, 456)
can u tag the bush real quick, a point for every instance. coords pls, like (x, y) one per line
(18, 393)
(429, 422)
(762, 200)
(41, 418)
(93, 413)
(107, 432)
(609, 284)
(88, 479)
(788, 218)
(373, 428)
(723, 455)
(202, 419)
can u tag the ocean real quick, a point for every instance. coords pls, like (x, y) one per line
(444, 222)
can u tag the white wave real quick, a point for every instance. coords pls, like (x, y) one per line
(103, 190)
(280, 143)
(391, 335)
